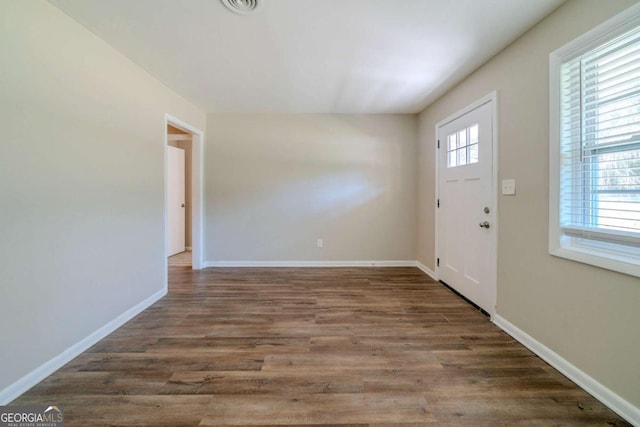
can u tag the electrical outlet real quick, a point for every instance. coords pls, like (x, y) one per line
(508, 187)
(320, 243)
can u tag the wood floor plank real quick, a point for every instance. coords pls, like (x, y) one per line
(265, 345)
(390, 343)
(263, 382)
(338, 361)
(320, 409)
(65, 383)
(385, 347)
(169, 361)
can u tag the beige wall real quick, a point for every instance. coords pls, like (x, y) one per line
(276, 183)
(81, 184)
(588, 315)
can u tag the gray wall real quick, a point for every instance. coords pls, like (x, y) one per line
(588, 315)
(276, 183)
(81, 184)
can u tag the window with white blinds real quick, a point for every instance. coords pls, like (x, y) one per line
(597, 146)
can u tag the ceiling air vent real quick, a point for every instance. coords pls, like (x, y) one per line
(242, 7)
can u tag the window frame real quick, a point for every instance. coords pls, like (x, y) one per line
(617, 257)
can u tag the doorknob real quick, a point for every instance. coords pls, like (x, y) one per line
(182, 205)
(485, 224)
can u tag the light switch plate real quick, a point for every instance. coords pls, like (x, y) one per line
(508, 187)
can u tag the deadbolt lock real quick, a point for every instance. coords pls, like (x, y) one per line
(487, 210)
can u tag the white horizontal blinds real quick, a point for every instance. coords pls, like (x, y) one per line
(600, 142)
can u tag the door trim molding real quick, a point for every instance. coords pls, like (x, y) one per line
(493, 99)
(197, 193)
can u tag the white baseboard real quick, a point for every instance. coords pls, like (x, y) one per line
(310, 263)
(426, 270)
(13, 391)
(616, 403)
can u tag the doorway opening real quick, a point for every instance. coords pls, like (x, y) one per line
(183, 195)
(179, 196)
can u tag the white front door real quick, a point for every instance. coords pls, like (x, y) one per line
(175, 200)
(466, 212)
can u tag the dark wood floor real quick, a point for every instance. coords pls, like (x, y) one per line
(348, 346)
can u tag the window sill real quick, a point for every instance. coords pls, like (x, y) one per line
(623, 263)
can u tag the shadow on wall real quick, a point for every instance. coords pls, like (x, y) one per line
(281, 181)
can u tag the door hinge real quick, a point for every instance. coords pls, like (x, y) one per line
(437, 262)
(438, 202)
(438, 143)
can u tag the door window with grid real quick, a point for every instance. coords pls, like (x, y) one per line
(462, 147)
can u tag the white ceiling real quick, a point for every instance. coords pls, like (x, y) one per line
(310, 56)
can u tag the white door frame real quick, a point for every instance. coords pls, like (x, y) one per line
(493, 99)
(197, 197)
